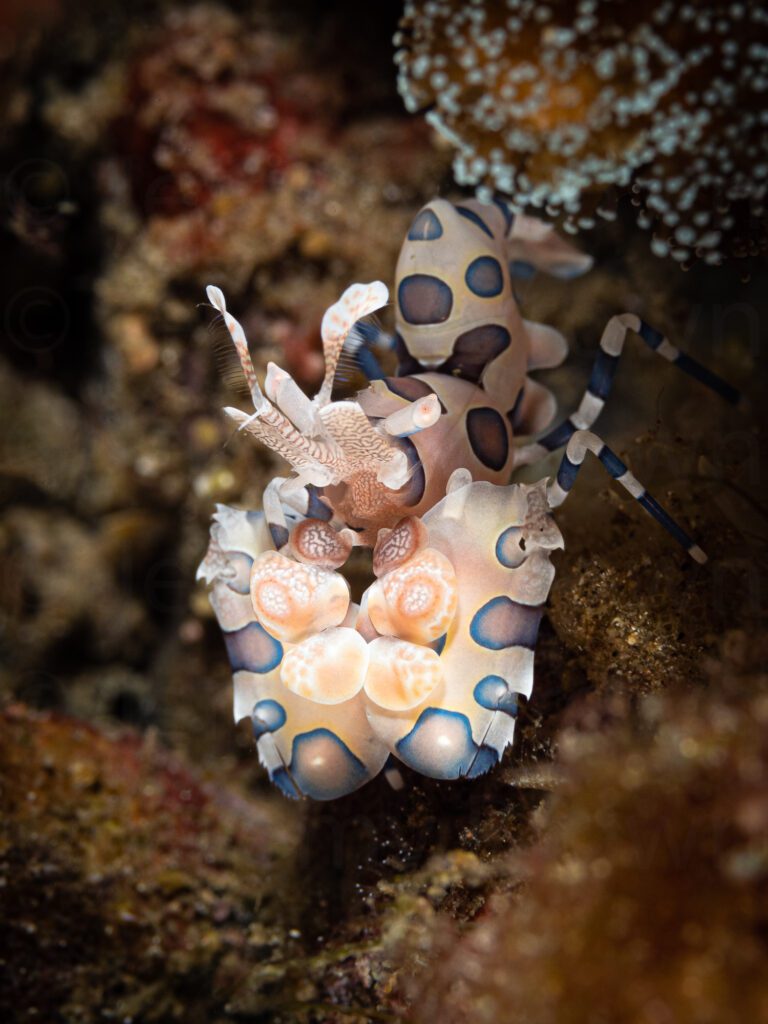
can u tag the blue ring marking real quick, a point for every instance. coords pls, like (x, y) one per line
(252, 649)
(567, 473)
(711, 380)
(267, 716)
(424, 299)
(559, 436)
(425, 227)
(493, 692)
(612, 462)
(509, 217)
(241, 563)
(522, 270)
(284, 783)
(484, 277)
(602, 375)
(508, 550)
(483, 343)
(650, 335)
(340, 774)
(474, 349)
(485, 759)
(502, 623)
(420, 749)
(661, 516)
(475, 218)
(317, 509)
(487, 435)
(279, 535)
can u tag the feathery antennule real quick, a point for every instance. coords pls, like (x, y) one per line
(324, 441)
(269, 424)
(366, 339)
(358, 300)
(346, 367)
(216, 298)
(227, 362)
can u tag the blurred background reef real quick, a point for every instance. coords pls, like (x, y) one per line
(615, 867)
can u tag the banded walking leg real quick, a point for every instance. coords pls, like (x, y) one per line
(600, 382)
(583, 441)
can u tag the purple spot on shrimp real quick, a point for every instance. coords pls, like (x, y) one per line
(493, 692)
(488, 437)
(503, 623)
(426, 226)
(473, 350)
(439, 745)
(424, 299)
(508, 548)
(267, 716)
(252, 649)
(323, 767)
(484, 277)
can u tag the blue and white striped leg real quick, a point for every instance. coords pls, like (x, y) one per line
(601, 380)
(583, 441)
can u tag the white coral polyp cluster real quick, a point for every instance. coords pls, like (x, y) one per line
(553, 104)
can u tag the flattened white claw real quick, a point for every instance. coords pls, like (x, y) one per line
(417, 601)
(400, 674)
(328, 667)
(292, 600)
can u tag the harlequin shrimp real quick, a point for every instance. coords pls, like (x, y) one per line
(429, 667)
